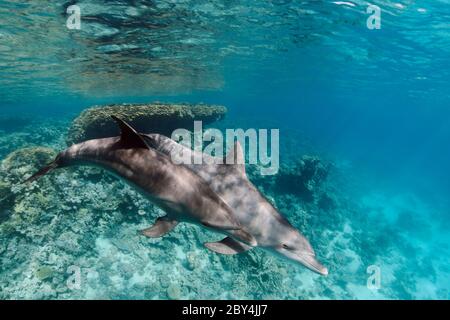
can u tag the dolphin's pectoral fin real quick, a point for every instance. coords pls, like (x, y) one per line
(218, 225)
(227, 246)
(236, 231)
(162, 226)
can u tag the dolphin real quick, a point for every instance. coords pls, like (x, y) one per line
(227, 177)
(180, 192)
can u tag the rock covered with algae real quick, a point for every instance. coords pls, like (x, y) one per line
(44, 273)
(305, 177)
(162, 118)
(17, 166)
(27, 160)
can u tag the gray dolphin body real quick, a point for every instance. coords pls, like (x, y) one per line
(181, 193)
(253, 211)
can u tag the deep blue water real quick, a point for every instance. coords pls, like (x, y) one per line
(374, 102)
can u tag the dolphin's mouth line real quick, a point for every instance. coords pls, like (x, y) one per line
(310, 261)
(305, 258)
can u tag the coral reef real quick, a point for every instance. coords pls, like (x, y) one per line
(15, 168)
(5, 196)
(44, 273)
(304, 178)
(26, 160)
(162, 118)
(33, 134)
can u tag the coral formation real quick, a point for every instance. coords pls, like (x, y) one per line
(33, 135)
(304, 178)
(162, 118)
(14, 169)
(44, 273)
(27, 160)
(174, 292)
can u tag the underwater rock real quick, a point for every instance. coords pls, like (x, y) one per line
(15, 168)
(68, 241)
(174, 292)
(192, 261)
(33, 134)
(161, 118)
(304, 178)
(5, 192)
(24, 161)
(255, 274)
(327, 202)
(44, 273)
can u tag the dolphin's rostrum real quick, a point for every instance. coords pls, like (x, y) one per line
(180, 192)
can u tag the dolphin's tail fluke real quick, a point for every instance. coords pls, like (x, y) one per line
(43, 171)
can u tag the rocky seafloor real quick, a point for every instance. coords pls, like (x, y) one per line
(74, 235)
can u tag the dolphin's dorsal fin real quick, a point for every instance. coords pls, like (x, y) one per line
(235, 157)
(129, 137)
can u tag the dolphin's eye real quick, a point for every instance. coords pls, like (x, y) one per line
(285, 246)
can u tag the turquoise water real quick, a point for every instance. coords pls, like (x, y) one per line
(371, 104)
